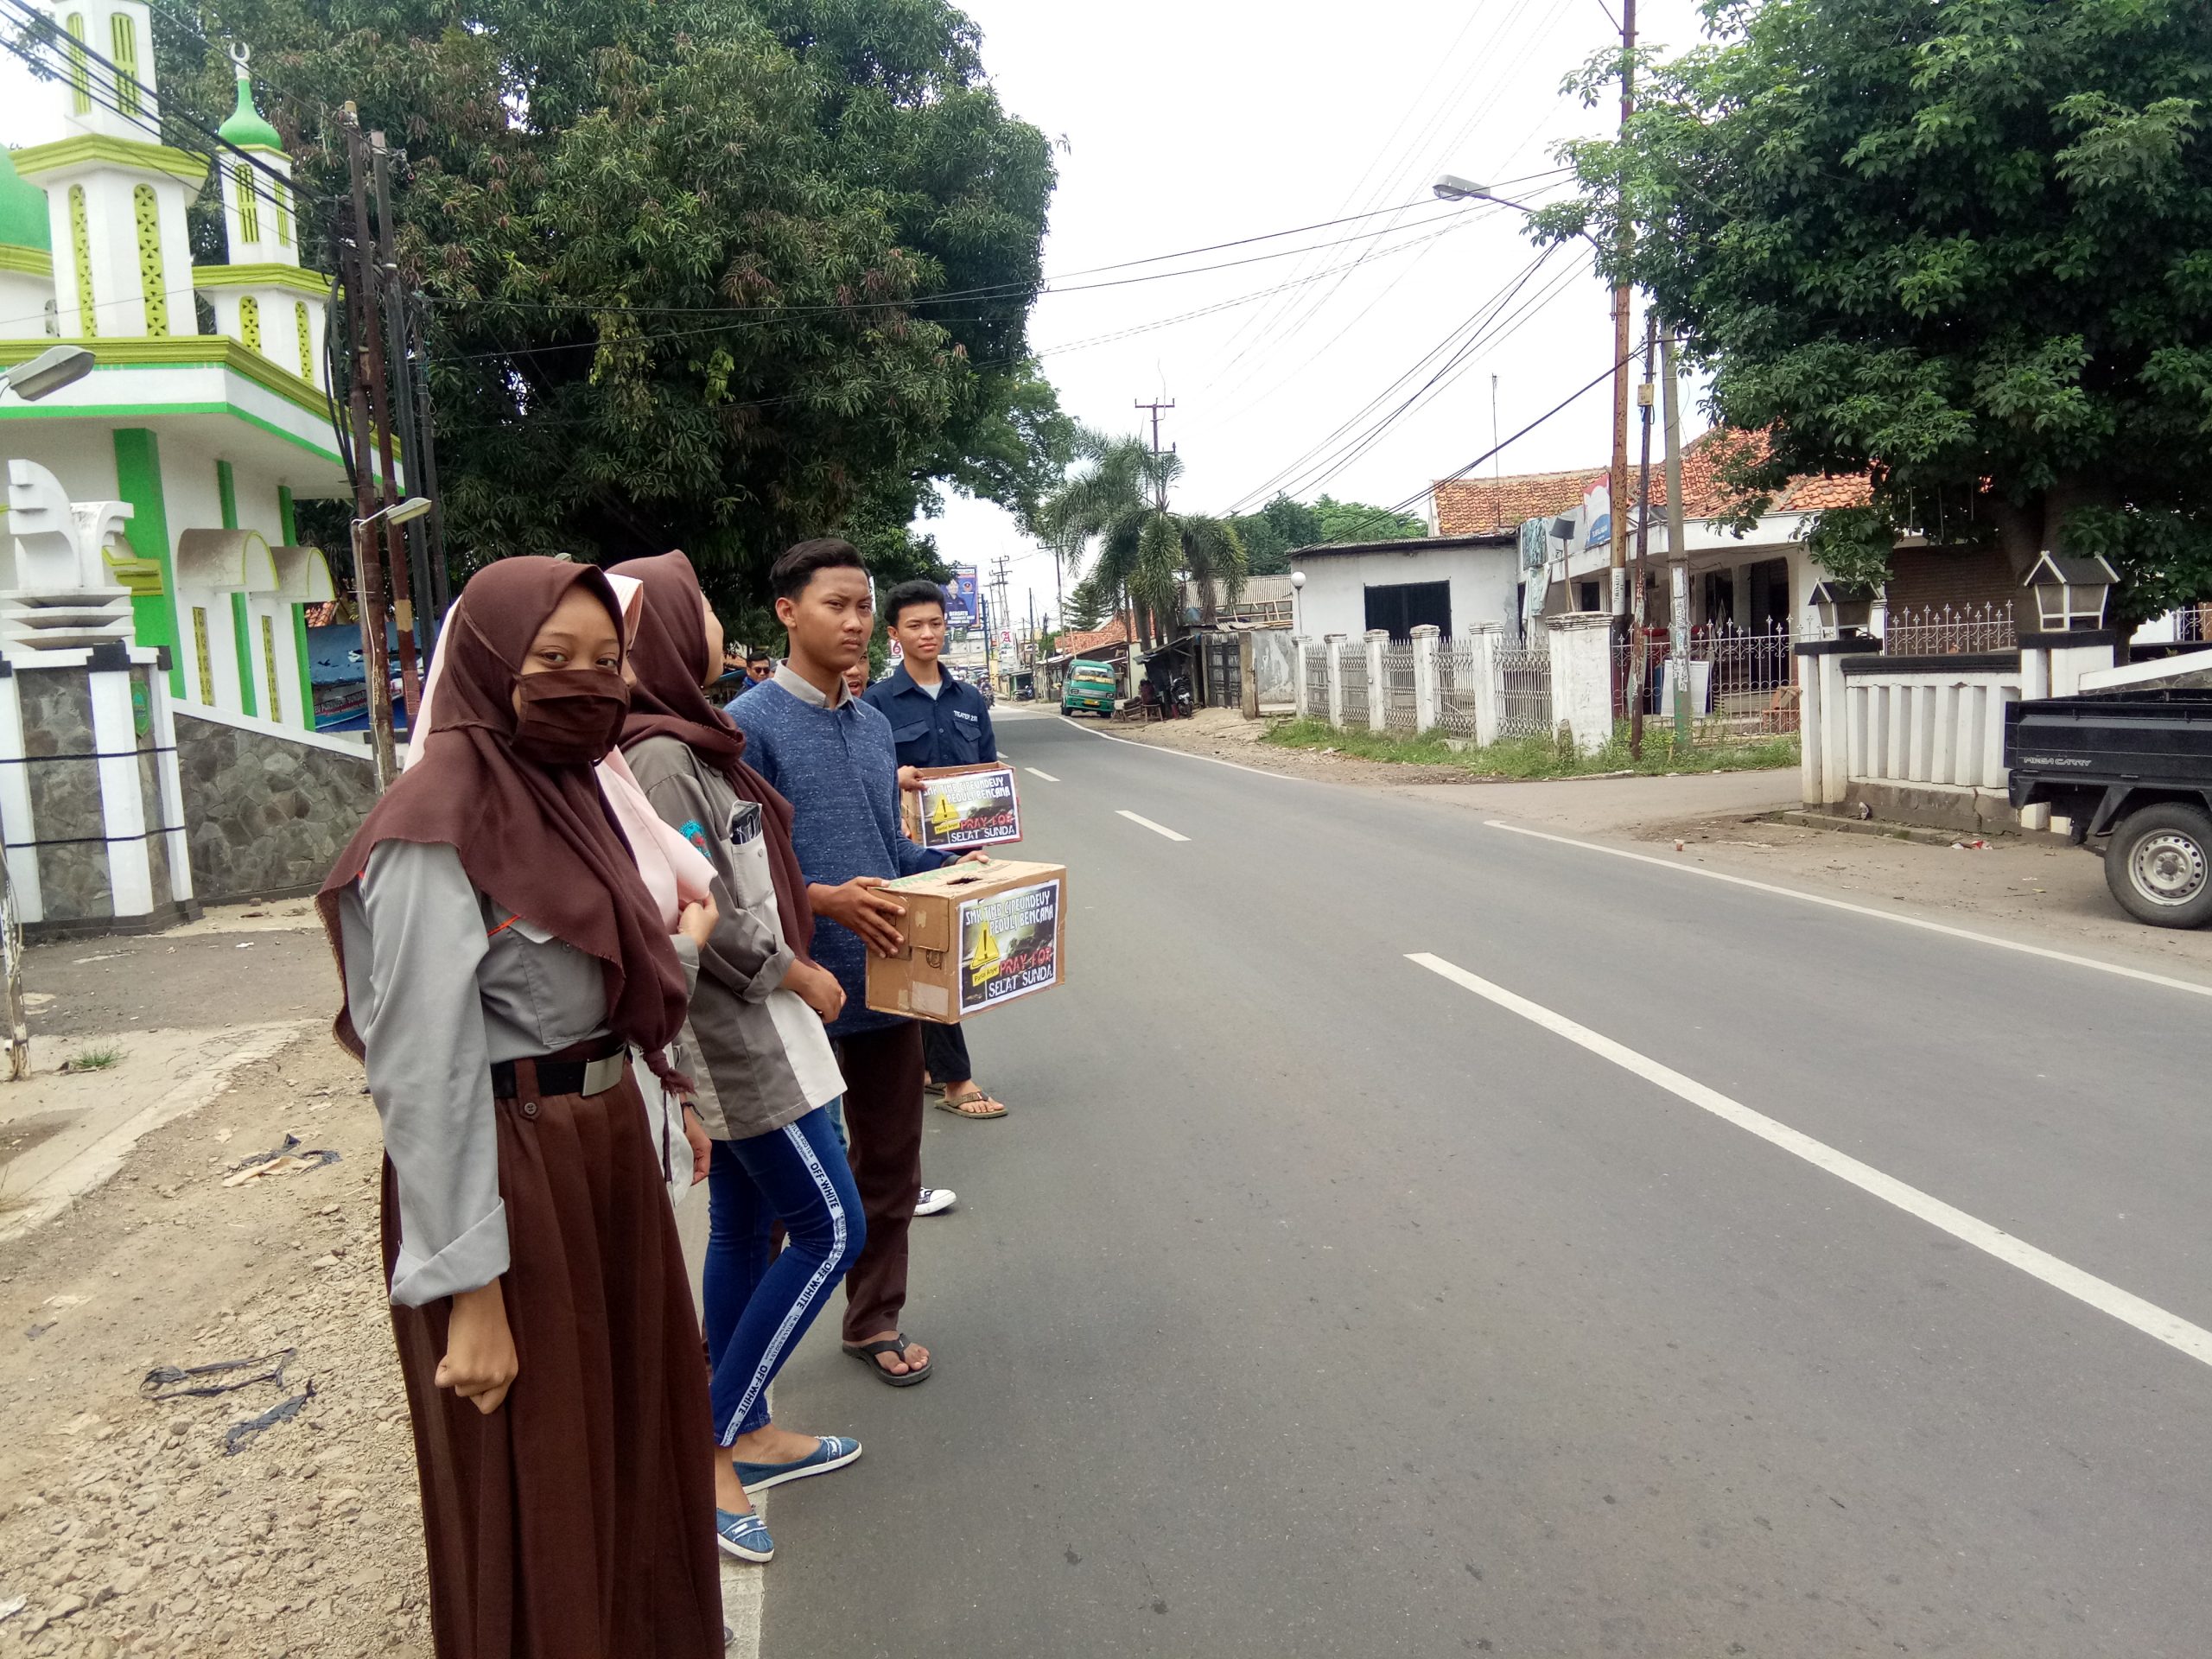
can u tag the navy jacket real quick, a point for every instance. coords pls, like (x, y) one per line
(950, 730)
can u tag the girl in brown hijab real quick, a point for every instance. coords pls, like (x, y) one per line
(500, 956)
(767, 1083)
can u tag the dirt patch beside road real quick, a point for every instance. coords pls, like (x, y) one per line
(126, 1525)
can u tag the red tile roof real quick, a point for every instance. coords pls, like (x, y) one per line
(1469, 506)
(1115, 632)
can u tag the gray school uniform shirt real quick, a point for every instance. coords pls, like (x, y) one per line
(440, 992)
(763, 1058)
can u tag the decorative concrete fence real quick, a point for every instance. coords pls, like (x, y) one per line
(1921, 739)
(1485, 686)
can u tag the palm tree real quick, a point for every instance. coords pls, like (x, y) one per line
(1119, 501)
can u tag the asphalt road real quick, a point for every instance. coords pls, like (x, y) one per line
(1311, 1302)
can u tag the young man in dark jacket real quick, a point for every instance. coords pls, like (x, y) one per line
(936, 721)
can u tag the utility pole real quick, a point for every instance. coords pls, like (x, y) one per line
(379, 395)
(1621, 354)
(419, 537)
(1159, 503)
(1639, 652)
(1678, 555)
(355, 262)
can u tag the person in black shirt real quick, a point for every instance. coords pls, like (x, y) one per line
(936, 721)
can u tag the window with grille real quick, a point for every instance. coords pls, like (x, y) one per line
(151, 287)
(80, 73)
(80, 248)
(269, 667)
(123, 37)
(306, 341)
(201, 657)
(250, 322)
(280, 194)
(249, 203)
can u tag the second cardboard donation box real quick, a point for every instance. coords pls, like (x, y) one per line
(977, 935)
(962, 807)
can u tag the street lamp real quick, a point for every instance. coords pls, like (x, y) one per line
(378, 672)
(1297, 587)
(51, 370)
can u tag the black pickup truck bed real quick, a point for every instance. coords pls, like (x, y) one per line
(2135, 766)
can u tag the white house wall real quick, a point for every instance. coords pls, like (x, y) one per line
(1485, 582)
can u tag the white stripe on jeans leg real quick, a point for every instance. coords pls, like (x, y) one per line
(771, 1356)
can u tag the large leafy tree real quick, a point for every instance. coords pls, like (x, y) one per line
(714, 274)
(1282, 526)
(1963, 246)
(1115, 506)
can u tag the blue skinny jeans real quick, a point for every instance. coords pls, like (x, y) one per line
(757, 1310)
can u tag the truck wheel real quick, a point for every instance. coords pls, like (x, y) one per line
(2160, 865)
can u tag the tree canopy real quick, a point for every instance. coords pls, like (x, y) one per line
(1277, 530)
(1963, 245)
(714, 274)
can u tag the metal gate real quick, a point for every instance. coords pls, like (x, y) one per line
(1224, 687)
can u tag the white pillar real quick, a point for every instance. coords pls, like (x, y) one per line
(1247, 683)
(2035, 682)
(1490, 686)
(1836, 730)
(1335, 645)
(1582, 688)
(122, 801)
(1428, 706)
(1810, 784)
(1301, 702)
(171, 781)
(19, 831)
(1379, 683)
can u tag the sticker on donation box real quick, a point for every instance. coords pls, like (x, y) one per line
(970, 809)
(1009, 945)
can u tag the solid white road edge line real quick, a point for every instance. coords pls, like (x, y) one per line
(1047, 776)
(1211, 759)
(2146, 1317)
(2045, 952)
(1156, 829)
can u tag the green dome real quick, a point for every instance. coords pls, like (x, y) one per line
(245, 128)
(23, 223)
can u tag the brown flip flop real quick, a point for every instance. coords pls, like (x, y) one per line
(959, 1108)
(866, 1352)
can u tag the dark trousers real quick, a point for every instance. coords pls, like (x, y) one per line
(883, 1123)
(944, 1050)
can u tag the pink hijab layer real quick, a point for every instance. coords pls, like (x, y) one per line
(676, 873)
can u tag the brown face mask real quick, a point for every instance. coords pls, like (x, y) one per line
(569, 716)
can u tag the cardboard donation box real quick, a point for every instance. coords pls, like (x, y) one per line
(977, 935)
(961, 807)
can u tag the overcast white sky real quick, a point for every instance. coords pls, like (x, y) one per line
(1186, 123)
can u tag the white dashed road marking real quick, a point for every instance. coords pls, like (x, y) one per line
(1156, 829)
(1047, 776)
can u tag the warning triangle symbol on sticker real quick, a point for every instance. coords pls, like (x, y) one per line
(944, 817)
(984, 961)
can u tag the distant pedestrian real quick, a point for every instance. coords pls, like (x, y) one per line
(831, 755)
(936, 721)
(765, 1078)
(497, 957)
(760, 669)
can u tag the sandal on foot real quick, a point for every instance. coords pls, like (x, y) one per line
(866, 1352)
(831, 1452)
(960, 1107)
(745, 1536)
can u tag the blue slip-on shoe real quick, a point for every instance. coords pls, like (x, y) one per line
(831, 1452)
(745, 1536)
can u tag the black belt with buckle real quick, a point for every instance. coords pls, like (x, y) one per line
(569, 1073)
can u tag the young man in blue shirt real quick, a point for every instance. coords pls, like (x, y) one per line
(936, 721)
(831, 755)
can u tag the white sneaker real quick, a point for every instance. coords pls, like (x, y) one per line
(936, 1200)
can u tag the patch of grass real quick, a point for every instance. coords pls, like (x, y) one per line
(1539, 758)
(92, 1059)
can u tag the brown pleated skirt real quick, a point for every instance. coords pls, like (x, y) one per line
(577, 1521)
